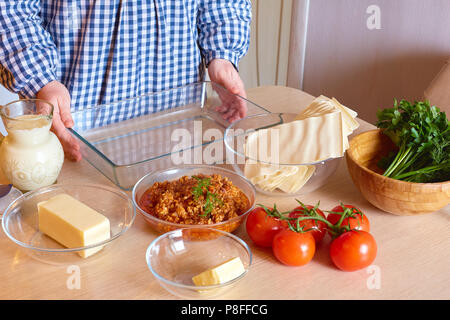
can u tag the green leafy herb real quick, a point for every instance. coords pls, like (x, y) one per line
(211, 202)
(211, 199)
(199, 189)
(422, 134)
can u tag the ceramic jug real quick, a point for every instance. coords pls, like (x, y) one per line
(31, 156)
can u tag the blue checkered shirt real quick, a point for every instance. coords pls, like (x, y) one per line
(105, 51)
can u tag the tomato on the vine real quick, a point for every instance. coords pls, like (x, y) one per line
(353, 250)
(294, 235)
(316, 228)
(262, 226)
(294, 248)
(356, 220)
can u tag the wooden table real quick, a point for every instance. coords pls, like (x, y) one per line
(412, 263)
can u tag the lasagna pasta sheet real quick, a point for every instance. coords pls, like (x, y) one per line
(289, 179)
(323, 105)
(318, 133)
(303, 141)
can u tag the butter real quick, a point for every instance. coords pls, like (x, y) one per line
(222, 273)
(72, 223)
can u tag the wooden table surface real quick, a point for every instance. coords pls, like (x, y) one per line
(413, 252)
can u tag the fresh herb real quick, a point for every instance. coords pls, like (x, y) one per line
(422, 134)
(211, 202)
(199, 189)
(211, 199)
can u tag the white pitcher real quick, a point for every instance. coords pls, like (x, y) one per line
(31, 156)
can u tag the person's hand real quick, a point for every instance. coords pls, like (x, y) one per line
(58, 95)
(223, 73)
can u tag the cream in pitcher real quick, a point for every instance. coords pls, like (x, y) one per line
(31, 156)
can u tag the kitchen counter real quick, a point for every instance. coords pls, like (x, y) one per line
(412, 263)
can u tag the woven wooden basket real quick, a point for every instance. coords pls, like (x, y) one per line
(393, 196)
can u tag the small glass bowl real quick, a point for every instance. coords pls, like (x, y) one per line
(163, 226)
(6, 200)
(20, 221)
(235, 137)
(176, 256)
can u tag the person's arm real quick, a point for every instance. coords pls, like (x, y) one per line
(224, 29)
(28, 64)
(224, 37)
(28, 55)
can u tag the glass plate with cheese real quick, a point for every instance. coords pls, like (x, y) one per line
(66, 224)
(198, 263)
(285, 154)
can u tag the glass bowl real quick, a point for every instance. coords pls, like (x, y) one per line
(176, 256)
(163, 226)
(145, 141)
(7, 199)
(235, 137)
(20, 221)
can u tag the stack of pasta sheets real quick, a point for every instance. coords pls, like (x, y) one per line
(319, 132)
(323, 105)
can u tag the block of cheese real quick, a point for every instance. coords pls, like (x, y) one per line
(222, 273)
(72, 223)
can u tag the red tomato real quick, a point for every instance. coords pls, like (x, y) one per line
(358, 221)
(353, 250)
(262, 227)
(293, 248)
(318, 228)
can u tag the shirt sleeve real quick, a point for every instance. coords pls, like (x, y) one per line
(224, 29)
(28, 55)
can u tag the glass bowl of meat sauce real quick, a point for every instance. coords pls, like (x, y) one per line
(194, 196)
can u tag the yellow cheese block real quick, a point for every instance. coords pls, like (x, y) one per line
(72, 223)
(225, 272)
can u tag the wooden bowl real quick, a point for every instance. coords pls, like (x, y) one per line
(393, 196)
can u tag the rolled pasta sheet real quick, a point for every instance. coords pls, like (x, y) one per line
(289, 179)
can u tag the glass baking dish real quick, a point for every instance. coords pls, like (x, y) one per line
(156, 131)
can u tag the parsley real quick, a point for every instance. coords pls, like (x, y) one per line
(202, 184)
(211, 199)
(422, 134)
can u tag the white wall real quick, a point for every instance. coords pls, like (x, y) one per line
(5, 97)
(367, 69)
(266, 62)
